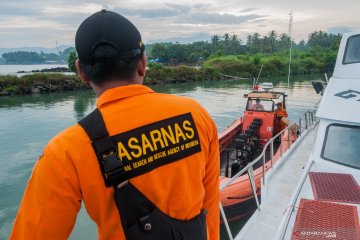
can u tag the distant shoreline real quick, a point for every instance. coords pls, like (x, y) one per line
(21, 69)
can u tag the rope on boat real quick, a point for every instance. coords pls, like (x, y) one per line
(229, 76)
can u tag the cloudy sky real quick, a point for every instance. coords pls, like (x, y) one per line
(42, 23)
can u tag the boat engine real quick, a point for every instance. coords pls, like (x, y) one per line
(246, 145)
(235, 168)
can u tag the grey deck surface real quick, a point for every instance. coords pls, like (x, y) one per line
(277, 195)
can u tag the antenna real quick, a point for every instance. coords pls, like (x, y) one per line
(256, 80)
(289, 33)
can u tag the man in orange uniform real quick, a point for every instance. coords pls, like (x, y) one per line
(281, 117)
(147, 128)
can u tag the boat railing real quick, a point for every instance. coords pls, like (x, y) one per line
(299, 127)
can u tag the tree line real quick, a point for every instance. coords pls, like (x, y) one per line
(194, 53)
(230, 55)
(24, 57)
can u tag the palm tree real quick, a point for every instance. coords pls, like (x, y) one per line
(272, 38)
(284, 42)
(215, 39)
(255, 46)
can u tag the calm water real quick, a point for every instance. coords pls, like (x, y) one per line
(27, 123)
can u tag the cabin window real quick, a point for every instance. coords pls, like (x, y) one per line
(341, 145)
(352, 51)
(260, 105)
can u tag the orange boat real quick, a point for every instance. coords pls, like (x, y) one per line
(243, 141)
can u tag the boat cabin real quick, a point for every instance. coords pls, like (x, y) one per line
(268, 106)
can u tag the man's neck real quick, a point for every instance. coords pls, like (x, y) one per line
(113, 84)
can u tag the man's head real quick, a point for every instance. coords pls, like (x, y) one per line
(279, 105)
(109, 48)
(257, 101)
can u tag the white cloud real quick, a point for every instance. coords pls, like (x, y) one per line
(39, 22)
(28, 22)
(62, 10)
(219, 19)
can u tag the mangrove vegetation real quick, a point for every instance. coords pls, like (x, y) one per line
(39, 83)
(230, 55)
(48, 82)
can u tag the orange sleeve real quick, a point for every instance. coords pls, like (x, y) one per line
(281, 113)
(50, 203)
(284, 113)
(211, 184)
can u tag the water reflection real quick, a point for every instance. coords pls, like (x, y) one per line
(84, 101)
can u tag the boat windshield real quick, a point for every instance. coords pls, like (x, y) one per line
(260, 105)
(341, 145)
(352, 52)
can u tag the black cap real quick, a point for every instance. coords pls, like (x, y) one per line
(109, 28)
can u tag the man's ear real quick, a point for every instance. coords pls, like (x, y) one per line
(142, 66)
(84, 78)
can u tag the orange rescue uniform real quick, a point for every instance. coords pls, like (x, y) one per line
(69, 172)
(280, 122)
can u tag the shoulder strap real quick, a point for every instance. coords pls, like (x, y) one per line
(111, 166)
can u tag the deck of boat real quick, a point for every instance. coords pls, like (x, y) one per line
(275, 199)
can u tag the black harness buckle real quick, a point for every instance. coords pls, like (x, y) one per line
(112, 164)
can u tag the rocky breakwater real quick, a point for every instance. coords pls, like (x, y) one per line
(39, 83)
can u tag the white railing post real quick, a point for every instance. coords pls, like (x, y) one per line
(226, 222)
(253, 186)
(272, 151)
(288, 132)
(281, 145)
(263, 168)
